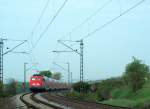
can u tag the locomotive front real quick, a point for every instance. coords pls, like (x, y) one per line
(37, 83)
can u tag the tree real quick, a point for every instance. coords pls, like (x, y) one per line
(135, 73)
(84, 85)
(11, 87)
(46, 73)
(56, 75)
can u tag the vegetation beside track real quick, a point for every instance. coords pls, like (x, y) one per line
(125, 97)
(122, 96)
(12, 88)
(130, 90)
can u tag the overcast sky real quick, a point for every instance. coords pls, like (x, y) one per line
(106, 52)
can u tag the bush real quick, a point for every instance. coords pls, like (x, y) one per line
(11, 87)
(81, 87)
(135, 74)
(106, 86)
(123, 92)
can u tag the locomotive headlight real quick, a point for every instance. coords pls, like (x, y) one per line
(36, 84)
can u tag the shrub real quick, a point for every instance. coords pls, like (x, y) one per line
(81, 87)
(135, 74)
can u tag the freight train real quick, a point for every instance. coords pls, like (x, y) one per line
(43, 83)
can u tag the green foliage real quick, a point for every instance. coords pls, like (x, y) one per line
(139, 99)
(135, 89)
(11, 87)
(121, 102)
(119, 96)
(56, 75)
(135, 74)
(8, 89)
(1, 87)
(121, 93)
(105, 87)
(81, 87)
(46, 73)
(130, 90)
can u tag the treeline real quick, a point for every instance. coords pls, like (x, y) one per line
(55, 75)
(8, 89)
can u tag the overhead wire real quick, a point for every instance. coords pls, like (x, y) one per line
(31, 56)
(111, 21)
(49, 24)
(14, 40)
(15, 47)
(90, 17)
(114, 19)
(39, 20)
(41, 15)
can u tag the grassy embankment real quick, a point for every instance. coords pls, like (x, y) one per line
(125, 97)
(120, 97)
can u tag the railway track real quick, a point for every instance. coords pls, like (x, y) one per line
(77, 104)
(31, 102)
(27, 103)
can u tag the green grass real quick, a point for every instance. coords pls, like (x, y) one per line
(121, 102)
(123, 92)
(138, 103)
(125, 97)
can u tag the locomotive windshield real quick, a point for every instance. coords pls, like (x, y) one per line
(36, 78)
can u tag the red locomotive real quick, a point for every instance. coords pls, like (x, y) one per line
(42, 83)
